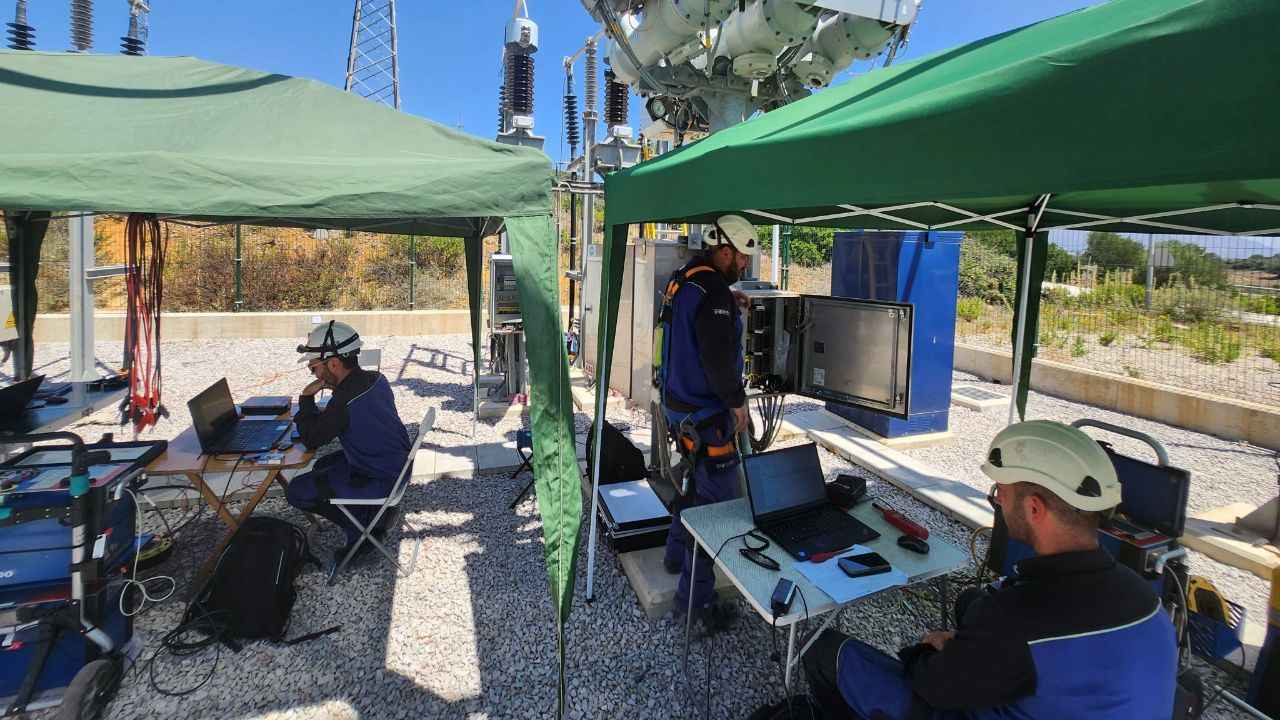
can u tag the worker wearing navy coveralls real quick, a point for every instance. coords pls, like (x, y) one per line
(702, 382)
(1071, 635)
(362, 415)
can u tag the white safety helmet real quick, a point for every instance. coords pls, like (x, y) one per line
(736, 231)
(1057, 457)
(331, 339)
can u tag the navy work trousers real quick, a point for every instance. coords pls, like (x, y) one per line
(715, 480)
(331, 477)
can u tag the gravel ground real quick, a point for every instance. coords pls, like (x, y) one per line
(469, 634)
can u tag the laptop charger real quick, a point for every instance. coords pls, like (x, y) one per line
(846, 490)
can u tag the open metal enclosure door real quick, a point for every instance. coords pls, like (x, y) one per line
(856, 352)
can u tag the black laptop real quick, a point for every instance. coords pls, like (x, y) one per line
(14, 400)
(789, 503)
(221, 430)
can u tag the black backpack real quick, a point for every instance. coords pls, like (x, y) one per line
(250, 593)
(620, 460)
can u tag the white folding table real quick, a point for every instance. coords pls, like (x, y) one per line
(712, 525)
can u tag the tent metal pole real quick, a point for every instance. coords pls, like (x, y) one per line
(1028, 245)
(602, 394)
(80, 261)
(1033, 222)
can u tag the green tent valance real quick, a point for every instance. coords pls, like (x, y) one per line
(1126, 109)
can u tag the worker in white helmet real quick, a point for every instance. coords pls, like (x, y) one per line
(1071, 634)
(704, 398)
(361, 415)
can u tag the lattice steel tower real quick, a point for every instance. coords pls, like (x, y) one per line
(372, 68)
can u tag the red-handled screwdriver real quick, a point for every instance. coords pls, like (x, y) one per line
(900, 521)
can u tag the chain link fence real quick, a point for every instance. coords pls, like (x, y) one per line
(1195, 312)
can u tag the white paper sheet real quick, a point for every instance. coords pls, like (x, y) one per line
(632, 501)
(830, 579)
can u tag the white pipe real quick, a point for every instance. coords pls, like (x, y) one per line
(775, 267)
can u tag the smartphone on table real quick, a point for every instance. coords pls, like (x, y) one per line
(864, 564)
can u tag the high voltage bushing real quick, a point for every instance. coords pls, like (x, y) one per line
(572, 134)
(502, 109)
(591, 82)
(81, 25)
(615, 100)
(21, 35)
(131, 44)
(519, 83)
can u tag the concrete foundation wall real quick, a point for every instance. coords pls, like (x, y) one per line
(1226, 418)
(109, 326)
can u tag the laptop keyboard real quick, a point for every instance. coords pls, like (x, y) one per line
(827, 522)
(254, 435)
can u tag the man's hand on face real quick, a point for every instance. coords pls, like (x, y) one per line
(313, 387)
(938, 638)
(741, 298)
(740, 419)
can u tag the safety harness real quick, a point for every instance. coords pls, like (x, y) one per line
(694, 419)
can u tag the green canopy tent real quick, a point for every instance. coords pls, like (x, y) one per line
(201, 142)
(1132, 115)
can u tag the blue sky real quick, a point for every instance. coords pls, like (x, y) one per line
(449, 51)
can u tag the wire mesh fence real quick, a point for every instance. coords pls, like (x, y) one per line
(1195, 312)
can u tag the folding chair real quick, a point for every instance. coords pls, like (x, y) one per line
(385, 505)
(370, 359)
(524, 441)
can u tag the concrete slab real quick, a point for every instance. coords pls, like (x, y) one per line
(497, 457)
(456, 462)
(905, 442)
(654, 586)
(585, 400)
(493, 410)
(799, 423)
(1215, 534)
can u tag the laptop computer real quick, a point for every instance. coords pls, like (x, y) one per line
(221, 430)
(789, 503)
(14, 400)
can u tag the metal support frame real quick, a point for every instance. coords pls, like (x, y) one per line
(239, 264)
(373, 68)
(1147, 220)
(413, 270)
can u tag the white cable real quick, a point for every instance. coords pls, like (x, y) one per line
(133, 580)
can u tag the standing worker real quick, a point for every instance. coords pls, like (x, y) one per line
(362, 415)
(704, 399)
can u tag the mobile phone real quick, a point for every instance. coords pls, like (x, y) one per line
(783, 593)
(863, 565)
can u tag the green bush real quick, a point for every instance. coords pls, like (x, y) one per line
(1106, 338)
(1164, 329)
(969, 309)
(1078, 348)
(987, 274)
(1261, 304)
(1190, 305)
(1211, 343)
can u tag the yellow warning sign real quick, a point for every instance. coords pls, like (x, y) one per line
(11, 323)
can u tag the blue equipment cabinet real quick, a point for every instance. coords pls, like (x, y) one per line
(920, 268)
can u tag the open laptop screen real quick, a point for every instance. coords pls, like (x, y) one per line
(212, 412)
(783, 480)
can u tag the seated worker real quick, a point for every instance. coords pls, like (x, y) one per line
(361, 414)
(1071, 634)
